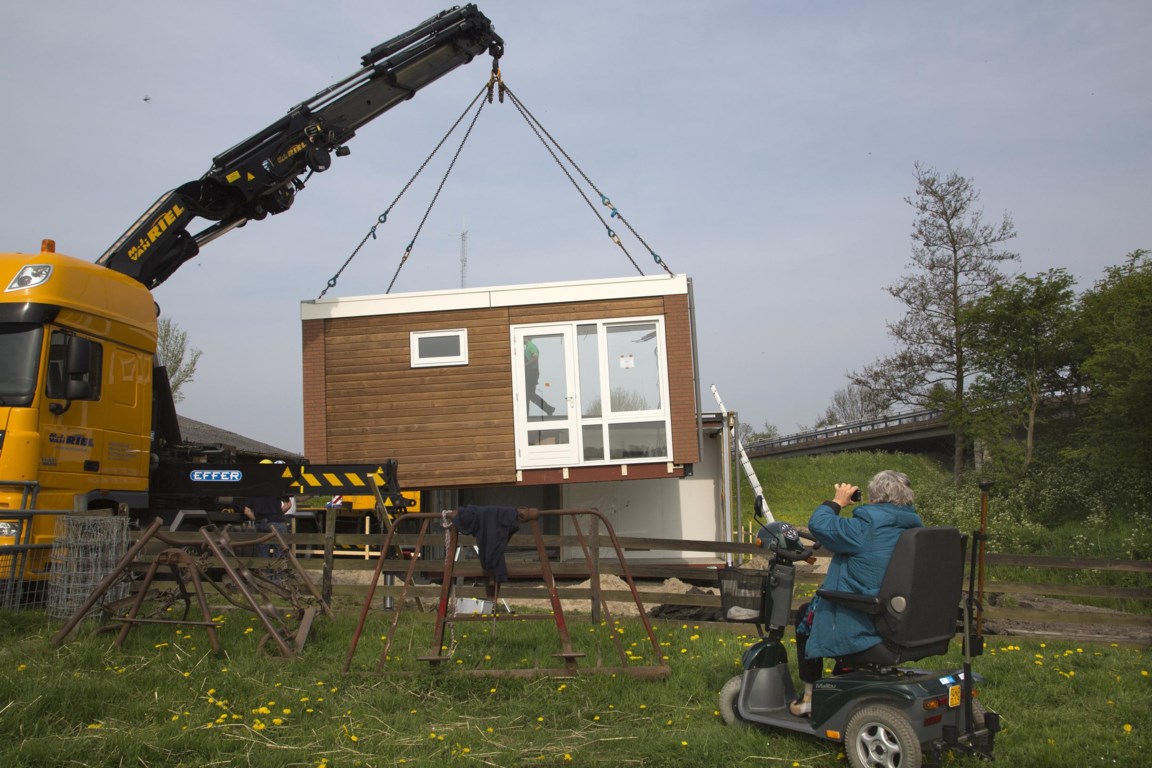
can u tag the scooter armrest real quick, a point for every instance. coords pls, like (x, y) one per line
(869, 604)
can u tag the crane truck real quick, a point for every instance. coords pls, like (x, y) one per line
(87, 419)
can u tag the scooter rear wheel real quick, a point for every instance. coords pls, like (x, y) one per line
(729, 696)
(879, 736)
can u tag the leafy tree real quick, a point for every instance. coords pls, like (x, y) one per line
(1116, 322)
(1021, 340)
(173, 352)
(956, 259)
(851, 403)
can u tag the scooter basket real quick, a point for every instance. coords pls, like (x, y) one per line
(744, 594)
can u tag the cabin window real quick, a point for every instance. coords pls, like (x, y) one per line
(591, 392)
(438, 348)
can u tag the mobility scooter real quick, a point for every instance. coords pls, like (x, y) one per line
(887, 716)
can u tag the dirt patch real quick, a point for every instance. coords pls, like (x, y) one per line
(611, 583)
(1062, 619)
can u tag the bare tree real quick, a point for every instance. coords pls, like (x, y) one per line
(171, 350)
(852, 403)
(956, 259)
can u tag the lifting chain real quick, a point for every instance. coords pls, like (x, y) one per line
(383, 217)
(541, 133)
(495, 88)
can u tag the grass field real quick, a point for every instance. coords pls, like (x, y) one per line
(165, 700)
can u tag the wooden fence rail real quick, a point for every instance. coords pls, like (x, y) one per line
(360, 551)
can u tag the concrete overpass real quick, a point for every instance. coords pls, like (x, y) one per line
(911, 432)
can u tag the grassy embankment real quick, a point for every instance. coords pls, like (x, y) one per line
(1088, 523)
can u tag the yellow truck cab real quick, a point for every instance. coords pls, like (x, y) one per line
(76, 350)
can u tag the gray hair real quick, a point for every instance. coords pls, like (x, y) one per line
(891, 486)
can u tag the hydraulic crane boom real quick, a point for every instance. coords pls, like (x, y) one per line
(261, 175)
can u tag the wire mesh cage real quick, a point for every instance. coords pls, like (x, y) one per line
(743, 594)
(85, 550)
(11, 577)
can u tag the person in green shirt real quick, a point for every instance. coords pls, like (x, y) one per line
(532, 376)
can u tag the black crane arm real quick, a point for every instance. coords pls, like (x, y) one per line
(261, 175)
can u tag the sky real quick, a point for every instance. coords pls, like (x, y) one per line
(763, 148)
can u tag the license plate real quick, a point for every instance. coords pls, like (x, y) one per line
(953, 696)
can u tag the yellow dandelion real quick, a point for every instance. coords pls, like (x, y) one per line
(94, 726)
(1127, 727)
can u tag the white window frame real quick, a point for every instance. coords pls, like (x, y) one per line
(436, 362)
(531, 457)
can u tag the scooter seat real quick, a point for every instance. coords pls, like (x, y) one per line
(915, 612)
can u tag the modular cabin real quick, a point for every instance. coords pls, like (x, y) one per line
(567, 395)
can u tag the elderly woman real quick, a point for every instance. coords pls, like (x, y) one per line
(861, 547)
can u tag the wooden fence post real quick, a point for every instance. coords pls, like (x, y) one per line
(330, 516)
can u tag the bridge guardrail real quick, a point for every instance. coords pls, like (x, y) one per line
(851, 428)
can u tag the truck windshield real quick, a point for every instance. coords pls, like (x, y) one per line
(19, 361)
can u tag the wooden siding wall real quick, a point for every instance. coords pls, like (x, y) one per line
(452, 426)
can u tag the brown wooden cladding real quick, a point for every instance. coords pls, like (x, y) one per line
(452, 426)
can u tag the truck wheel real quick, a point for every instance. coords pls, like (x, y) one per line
(879, 736)
(729, 694)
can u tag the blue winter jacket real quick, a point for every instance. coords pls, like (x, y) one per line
(862, 546)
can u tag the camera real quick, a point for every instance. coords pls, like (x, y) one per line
(856, 496)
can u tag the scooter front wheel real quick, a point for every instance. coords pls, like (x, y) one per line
(879, 736)
(729, 696)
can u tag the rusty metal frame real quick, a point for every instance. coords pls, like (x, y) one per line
(189, 569)
(532, 516)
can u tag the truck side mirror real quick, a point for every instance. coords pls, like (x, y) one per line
(77, 366)
(78, 357)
